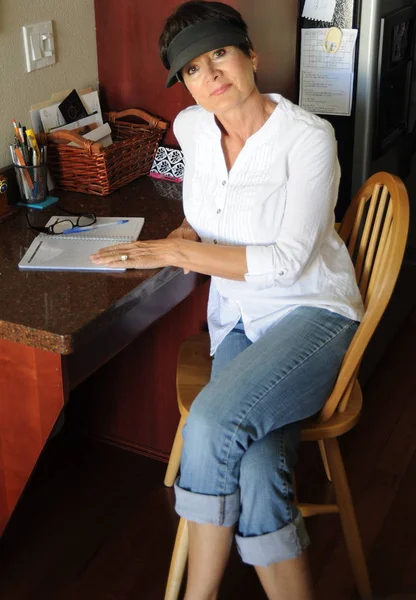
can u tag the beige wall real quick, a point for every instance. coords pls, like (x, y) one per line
(76, 58)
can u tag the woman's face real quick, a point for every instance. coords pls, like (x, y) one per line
(221, 79)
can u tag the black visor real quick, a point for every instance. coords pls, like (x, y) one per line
(198, 39)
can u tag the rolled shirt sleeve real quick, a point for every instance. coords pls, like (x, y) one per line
(311, 194)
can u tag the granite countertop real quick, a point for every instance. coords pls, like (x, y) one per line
(53, 310)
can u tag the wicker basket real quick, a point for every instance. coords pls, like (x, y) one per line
(93, 169)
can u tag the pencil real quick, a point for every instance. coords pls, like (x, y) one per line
(22, 163)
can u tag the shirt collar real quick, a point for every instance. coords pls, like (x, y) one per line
(209, 125)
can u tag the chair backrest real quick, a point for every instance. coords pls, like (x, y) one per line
(374, 229)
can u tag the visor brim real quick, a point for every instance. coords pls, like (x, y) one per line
(194, 45)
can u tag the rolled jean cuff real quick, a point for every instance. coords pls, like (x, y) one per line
(202, 508)
(263, 550)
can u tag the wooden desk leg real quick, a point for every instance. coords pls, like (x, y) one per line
(31, 398)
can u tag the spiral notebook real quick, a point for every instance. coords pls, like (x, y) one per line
(71, 252)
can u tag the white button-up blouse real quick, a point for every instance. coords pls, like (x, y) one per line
(277, 200)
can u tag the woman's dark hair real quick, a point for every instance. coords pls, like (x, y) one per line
(197, 11)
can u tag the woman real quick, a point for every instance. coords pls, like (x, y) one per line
(259, 192)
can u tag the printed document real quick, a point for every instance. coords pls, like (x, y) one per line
(326, 79)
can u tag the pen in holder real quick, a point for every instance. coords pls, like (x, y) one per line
(32, 182)
(30, 165)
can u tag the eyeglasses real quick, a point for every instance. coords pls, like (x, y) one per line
(63, 224)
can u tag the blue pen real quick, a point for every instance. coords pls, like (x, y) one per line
(90, 227)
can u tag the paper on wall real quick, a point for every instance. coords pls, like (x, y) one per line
(319, 10)
(314, 56)
(326, 79)
(327, 92)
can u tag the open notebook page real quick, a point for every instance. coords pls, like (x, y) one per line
(72, 252)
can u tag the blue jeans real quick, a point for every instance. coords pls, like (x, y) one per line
(241, 435)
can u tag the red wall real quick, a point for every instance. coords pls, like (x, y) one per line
(132, 75)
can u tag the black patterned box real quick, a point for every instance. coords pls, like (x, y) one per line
(168, 164)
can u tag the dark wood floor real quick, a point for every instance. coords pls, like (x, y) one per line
(97, 523)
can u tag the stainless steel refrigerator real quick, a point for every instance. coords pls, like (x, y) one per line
(385, 106)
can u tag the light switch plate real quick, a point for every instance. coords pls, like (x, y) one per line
(39, 45)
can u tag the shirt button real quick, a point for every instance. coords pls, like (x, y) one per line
(218, 211)
(281, 273)
(215, 242)
(224, 182)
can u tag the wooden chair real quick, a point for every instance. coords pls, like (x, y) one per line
(375, 230)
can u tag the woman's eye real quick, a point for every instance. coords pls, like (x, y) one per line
(219, 52)
(190, 70)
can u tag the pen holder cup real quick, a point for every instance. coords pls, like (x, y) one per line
(32, 182)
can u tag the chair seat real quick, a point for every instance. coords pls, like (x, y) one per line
(339, 423)
(194, 369)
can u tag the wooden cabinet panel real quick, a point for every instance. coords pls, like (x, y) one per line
(31, 398)
(131, 400)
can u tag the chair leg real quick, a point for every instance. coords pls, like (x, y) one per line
(324, 459)
(178, 562)
(175, 456)
(348, 518)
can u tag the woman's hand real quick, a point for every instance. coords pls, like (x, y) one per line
(228, 262)
(151, 254)
(185, 232)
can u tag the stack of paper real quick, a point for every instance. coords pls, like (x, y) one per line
(52, 118)
(100, 134)
(57, 97)
(46, 115)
